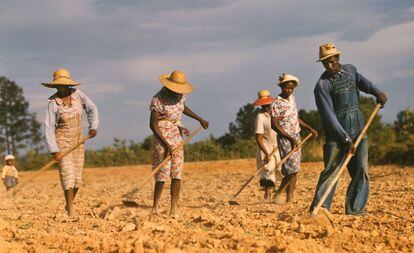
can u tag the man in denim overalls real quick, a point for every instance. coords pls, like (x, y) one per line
(337, 98)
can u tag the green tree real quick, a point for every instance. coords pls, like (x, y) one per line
(146, 143)
(404, 125)
(34, 137)
(313, 119)
(242, 128)
(245, 122)
(18, 127)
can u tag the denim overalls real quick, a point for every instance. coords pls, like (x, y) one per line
(345, 98)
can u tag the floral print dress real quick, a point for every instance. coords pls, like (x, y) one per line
(286, 112)
(170, 111)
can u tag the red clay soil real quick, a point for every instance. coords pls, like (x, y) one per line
(35, 221)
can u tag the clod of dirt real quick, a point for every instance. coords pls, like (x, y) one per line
(159, 229)
(129, 227)
(110, 213)
(287, 217)
(319, 219)
(25, 226)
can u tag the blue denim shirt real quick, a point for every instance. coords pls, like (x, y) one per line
(52, 118)
(325, 102)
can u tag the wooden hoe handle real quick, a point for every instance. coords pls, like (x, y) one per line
(156, 169)
(51, 163)
(263, 165)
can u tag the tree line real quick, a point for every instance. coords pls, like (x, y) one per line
(388, 142)
(20, 134)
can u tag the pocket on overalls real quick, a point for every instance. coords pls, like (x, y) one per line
(342, 95)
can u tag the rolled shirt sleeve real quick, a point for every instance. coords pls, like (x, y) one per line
(91, 110)
(326, 110)
(259, 126)
(50, 126)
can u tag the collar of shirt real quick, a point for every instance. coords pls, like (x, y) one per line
(289, 99)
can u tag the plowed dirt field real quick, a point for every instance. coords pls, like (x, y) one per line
(35, 221)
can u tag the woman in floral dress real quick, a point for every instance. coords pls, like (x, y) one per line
(167, 107)
(286, 123)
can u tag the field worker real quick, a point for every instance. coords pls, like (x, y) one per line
(266, 143)
(9, 173)
(63, 130)
(337, 98)
(286, 122)
(167, 107)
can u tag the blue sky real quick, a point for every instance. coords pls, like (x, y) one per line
(229, 50)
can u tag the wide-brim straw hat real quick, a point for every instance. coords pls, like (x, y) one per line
(284, 78)
(61, 77)
(177, 82)
(8, 157)
(264, 98)
(327, 50)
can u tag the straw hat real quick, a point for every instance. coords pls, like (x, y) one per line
(288, 78)
(61, 77)
(8, 157)
(327, 50)
(264, 98)
(176, 82)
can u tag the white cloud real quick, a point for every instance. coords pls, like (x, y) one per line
(229, 49)
(148, 69)
(385, 52)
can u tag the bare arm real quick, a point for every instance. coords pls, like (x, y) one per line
(259, 140)
(191, 114)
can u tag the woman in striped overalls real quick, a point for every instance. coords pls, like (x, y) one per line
(63, 127)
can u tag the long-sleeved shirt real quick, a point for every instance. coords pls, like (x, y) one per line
(325, 104)
(9, 171)
(52, 118)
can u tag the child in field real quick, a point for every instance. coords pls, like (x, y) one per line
(266, 143)
(286, 123)
(9, 173)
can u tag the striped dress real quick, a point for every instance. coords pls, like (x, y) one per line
(68, 133)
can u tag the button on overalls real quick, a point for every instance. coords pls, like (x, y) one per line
(345, 98)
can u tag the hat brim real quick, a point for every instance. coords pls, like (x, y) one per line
(264, 101)
(328, 55)
(183, 88)
(61, 82)
(289, 80)
(7, 158)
